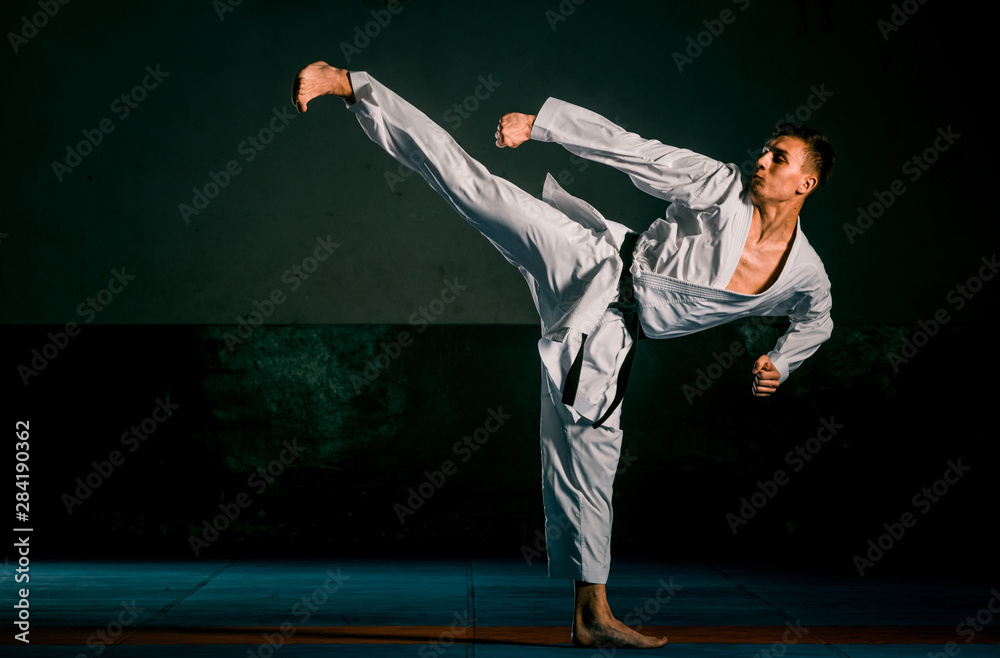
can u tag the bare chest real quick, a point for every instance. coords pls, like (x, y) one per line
(760, 265)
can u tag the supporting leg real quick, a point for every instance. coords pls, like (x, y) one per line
(595, 626)
(578, 473)
(579, 464)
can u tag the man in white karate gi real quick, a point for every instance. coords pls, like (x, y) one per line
(727, 249)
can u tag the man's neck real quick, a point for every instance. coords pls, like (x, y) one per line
(774, 222)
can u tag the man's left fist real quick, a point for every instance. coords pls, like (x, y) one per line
(766, 377)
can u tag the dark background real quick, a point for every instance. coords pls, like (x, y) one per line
(365, 445)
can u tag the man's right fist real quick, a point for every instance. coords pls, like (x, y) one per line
(514, 129)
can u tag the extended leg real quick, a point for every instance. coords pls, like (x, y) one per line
(559, 254)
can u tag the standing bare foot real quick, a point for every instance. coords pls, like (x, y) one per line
(595, 626)
(320, 79)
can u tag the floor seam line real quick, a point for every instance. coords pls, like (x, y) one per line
(167, 608)
(470, 647)
(746, 590)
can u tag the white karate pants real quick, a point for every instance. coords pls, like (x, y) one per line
(557, 257)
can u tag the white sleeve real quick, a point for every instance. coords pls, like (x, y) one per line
(810, 326)
(666, 172)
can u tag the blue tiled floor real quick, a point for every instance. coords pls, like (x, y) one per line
(99, 595)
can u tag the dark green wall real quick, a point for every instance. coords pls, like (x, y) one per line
(320, 177)
(357, 437)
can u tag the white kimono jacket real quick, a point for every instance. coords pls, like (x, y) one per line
(682, 264)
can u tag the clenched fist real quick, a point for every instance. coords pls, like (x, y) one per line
(514, 129)
(766, 377)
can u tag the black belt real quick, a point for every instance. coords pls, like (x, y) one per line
(628, 307)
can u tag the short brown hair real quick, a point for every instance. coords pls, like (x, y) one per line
(820, 155)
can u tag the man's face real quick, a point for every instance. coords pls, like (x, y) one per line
(782, 170)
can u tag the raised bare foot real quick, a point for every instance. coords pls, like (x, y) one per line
(320, 79)
(595, 626)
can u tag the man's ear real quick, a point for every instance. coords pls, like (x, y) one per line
(808, 185)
